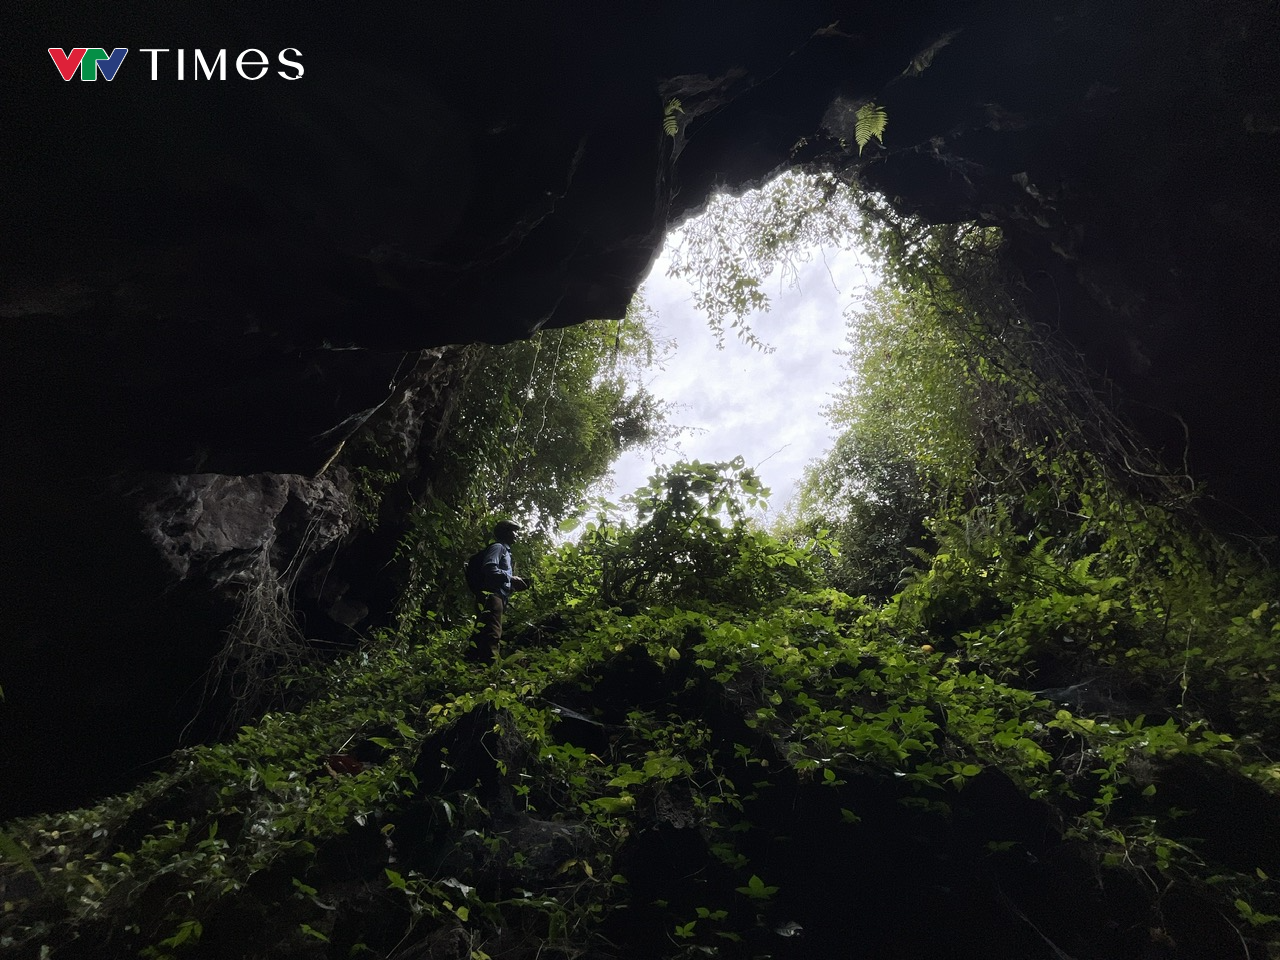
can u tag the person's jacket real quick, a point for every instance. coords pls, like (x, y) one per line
(498, 570)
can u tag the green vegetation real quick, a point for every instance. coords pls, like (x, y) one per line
(671, 117)
(527, 429)
(729, 252)
(516, 808)
(870, 124)
(536, 424)
(996, 692)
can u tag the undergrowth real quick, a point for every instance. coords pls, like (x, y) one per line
(618, 784)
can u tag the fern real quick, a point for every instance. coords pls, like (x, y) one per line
(671, 118)
(870, 122)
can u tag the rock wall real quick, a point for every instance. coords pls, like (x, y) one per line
(215, 527)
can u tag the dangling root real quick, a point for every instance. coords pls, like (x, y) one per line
(264, 643)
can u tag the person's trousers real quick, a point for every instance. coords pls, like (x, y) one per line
(488, 637)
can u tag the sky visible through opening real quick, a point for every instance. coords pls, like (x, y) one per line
(739, 401)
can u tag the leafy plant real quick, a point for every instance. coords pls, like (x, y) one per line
(756, 889)
(870, 123)
(537, 424)
(671, 117)
(691, 542)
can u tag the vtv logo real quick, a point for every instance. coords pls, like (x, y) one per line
(90, 60)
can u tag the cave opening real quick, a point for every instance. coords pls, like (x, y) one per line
(757, 390)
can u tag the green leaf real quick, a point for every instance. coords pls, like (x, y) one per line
(405, 730)
(870, 122)
(615, 805)
(313, 932)
(756, 889)
(670, 117)
(187, 930)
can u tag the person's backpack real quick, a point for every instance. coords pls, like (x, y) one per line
(474, 572)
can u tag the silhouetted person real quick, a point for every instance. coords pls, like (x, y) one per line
(497, 582)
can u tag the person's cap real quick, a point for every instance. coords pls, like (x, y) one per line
(503, 526)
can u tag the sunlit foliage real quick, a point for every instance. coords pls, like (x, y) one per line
(416, 801)
(537, 424)
(729, 252)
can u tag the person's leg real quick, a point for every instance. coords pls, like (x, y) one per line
(488, 638)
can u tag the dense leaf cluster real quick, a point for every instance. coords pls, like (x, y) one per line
(690, 542)
(536, 424)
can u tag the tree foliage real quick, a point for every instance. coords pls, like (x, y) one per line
(729, 252)
(909, 417)
(537, 424)
(691, 542)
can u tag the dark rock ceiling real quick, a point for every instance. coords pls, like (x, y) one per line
(213, 277)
